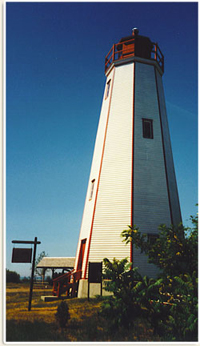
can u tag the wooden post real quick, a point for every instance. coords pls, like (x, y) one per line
(32, 275)
(113, 53)
(156, 51)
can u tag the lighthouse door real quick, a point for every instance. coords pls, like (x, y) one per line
(81, 254)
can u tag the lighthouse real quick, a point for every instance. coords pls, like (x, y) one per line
(132, 179)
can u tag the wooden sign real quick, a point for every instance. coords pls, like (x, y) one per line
(21, 255)
(25, 256)
(95, 272)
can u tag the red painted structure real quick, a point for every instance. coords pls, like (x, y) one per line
(134, 46)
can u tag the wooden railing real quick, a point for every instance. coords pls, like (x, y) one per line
(126, 49)
(67, 283)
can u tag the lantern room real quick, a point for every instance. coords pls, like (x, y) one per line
(134, 45)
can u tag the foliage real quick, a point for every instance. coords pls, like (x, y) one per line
(133, 296)
(26, 279)
(174, 251)
(168, 303)
(12, 276)
(184, 311)
(40, 271)
(62, 315)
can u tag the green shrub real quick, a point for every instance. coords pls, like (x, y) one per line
(169, 303)
(175, 252)
(62, 315)
(133, 296)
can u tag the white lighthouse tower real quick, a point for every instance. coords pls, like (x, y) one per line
(132, 179)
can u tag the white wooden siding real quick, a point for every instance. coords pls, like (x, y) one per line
(151, 204)
(94, 173)
(173, 191)
(113, 208)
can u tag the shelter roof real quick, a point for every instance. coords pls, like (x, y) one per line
(57, 262)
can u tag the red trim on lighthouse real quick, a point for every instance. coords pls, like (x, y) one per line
(99, 177)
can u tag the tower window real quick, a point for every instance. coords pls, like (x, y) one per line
(92, 189)
(108, 88)
(147, 125)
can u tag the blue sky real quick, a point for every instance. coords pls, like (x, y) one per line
(54, 86)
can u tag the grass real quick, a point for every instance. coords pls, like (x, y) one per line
(39, 324)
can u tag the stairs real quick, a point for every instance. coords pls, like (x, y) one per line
(67, 283)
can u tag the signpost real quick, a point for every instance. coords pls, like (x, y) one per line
(24, 256)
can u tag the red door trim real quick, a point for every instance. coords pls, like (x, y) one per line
(81, 254)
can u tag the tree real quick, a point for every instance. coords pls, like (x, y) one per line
(175, 252)
(132, 295)
(41, 271)
(12, 276)
(169, 302)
